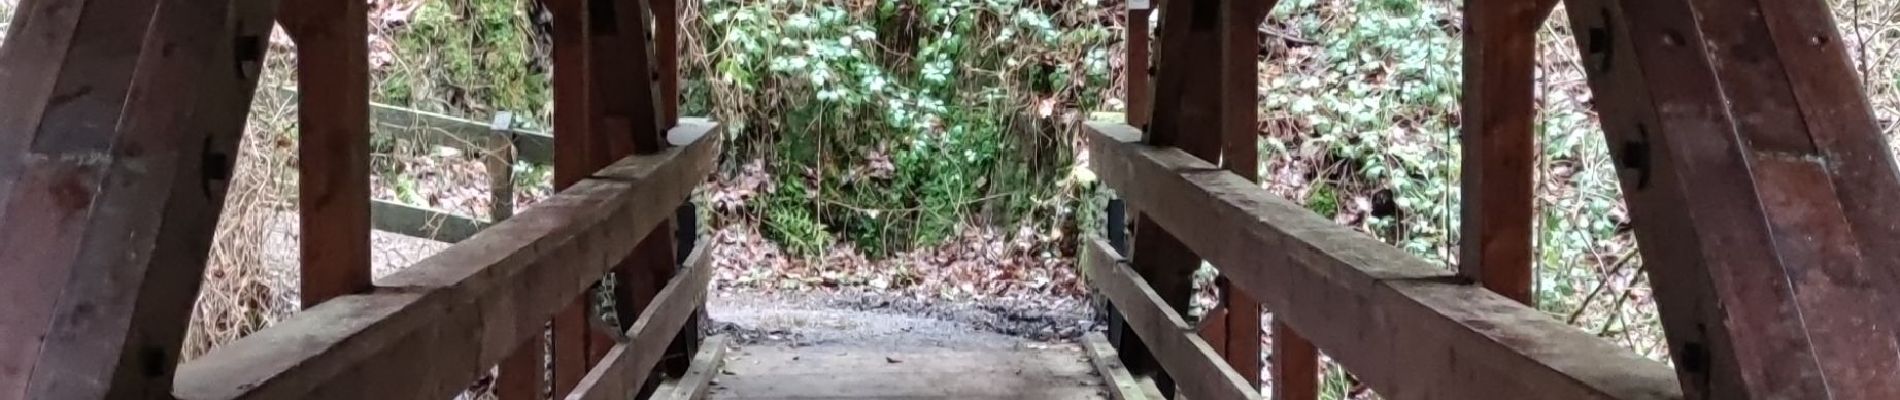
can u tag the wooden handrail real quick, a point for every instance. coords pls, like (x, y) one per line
(430, 329)
(1405, 327)
(1197, 369)
(436, 129)
(628, 364)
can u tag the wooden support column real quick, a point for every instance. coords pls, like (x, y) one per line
(634, 118)
(607, 107)
(573, 152)
(666, 37)
(1761, 189)
(333, 145)
(113, 167)
(1499, 142)
(1136, 67)
(1187, 108)
(1239, 321)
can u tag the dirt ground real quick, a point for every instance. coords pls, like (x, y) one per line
(856, 345)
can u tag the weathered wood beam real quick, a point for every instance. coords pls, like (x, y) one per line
(1240, 129)
(628, 118)
(1499, 144)
(1186, 113)
(433, 327)
(332, 145)
(1198, 371)
(577, 152)
(1405, 327)
(1135, 66)
(1120, 384)
(1761, 190)
(629, 364)
(666, 39)
(114, 163)
(697, 381)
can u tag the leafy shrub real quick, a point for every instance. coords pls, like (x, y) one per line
(889, 125)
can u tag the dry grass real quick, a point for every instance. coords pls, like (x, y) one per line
(242, 293)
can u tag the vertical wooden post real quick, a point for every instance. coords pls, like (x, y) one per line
(634, 119)
(1500, 64)
(500, 163)
(606, 108)
(1187, 115)
(1136, 74)
(333, 144)
(113, 167)
(572, 129)
(1240, 116)
(666, 38)
(1137, 68)
(1762, 192)
(521, 376)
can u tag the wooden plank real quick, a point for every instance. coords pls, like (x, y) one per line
(113, 168)
(1500, 156)
(1401, 325)
(421, 222)
(628, 365)
(1761, 187)
(332, 146)
(697, 381)
(436, 325)
(1198, 371)
(1121, 384)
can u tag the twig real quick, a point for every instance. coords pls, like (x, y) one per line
(1620, 263)
(1286, 36)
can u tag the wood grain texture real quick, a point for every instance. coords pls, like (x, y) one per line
(430, 329)
(114, 162)
(1499, 145)
(1198, 371)
(628, 365)
(1401, 325)
(1760, 189)
(332, 145)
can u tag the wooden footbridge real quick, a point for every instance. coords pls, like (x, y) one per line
(1763, 195)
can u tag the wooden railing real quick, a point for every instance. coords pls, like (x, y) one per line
(1406, 328)
(431, 329)
(1760, 190)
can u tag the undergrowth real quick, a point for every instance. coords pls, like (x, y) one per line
(888, 126)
